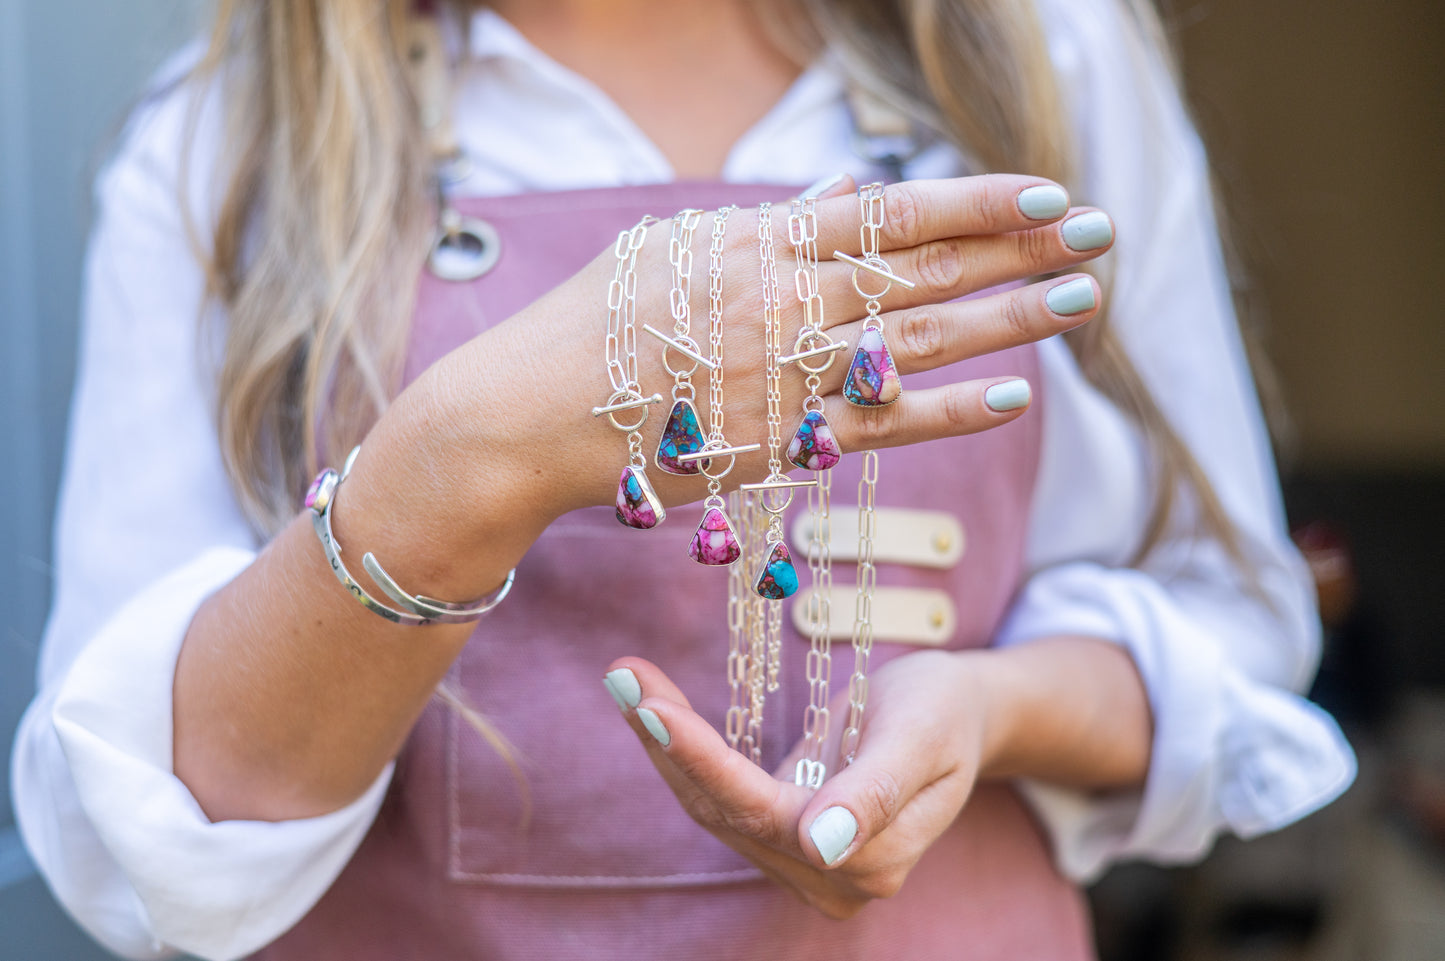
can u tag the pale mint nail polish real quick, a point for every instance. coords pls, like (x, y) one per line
(622, 685)
(821, 186)
(1044, 202)
(1073, 297)
(1088, 231)
(654, 726)
(1010, 395)
(832, 832)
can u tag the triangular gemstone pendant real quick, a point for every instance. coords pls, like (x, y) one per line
(637, 503)
(778, 578)
(872, 378)
(682, 435)
(715, 544)
(814, 447)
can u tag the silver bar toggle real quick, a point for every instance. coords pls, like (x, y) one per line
(777, 485)
(680, 348)
(815, 352)
(717, 452)
(627, 405)
(883, 272)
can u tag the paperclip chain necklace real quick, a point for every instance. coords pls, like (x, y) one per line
(715, 543)
(814, 447)
(740, 601)
(817, 719)
(872, 379)
(683, 434)
(637, 504)
(870, 200)
(777, 578)
(863, 607)
(762, 672)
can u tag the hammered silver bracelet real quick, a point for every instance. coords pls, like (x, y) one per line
(416, 610)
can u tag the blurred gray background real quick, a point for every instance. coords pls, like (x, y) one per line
(68, 71)
(1325, 121)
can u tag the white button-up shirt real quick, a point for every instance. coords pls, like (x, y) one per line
(144, 538)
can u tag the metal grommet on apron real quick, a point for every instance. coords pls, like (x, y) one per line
(465, 248)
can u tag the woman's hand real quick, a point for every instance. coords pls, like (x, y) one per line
(1071, 710)
(952, 237)
(857, 837)
(475, 458)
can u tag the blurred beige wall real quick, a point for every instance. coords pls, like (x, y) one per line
(1326, 121)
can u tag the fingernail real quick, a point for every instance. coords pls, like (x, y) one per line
(654, 726)
(821, 186)
(1044, 202)
(1088, 231)
(1010, 395)
(622, 685)
(832, 832)
(1073, 297)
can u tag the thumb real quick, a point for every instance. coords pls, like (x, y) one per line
(860, 801)
(850, 809)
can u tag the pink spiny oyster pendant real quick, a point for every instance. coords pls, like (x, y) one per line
(872, 379)
(714, 543)
(637, 503)
(813, 446)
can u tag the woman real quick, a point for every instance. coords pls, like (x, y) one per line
(228, 754)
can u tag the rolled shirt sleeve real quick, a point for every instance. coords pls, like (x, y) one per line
(147, 529)
(1230, 752)
(219, 890)
(1224, 653)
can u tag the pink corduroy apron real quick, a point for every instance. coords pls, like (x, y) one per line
(608, 866)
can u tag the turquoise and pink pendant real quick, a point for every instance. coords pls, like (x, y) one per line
(872, 379)
(813, 445)
(778, 578)
(637, 503)
(682, 435)
(714, 543)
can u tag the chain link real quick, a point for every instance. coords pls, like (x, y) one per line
(756, 636)
(715, 321)
(870, 201)
(765, 619)
(772, 332)
(635, 239)
(738, 595)
(817, 718)
(803, 234)
(773, 376)
(741, 734)
(623, 374)
(620, 344)
(679, 255)
(863, 606)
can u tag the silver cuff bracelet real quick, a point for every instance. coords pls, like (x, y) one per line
(416, 610)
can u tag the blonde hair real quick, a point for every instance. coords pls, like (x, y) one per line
(325, 220)
(320, 236)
